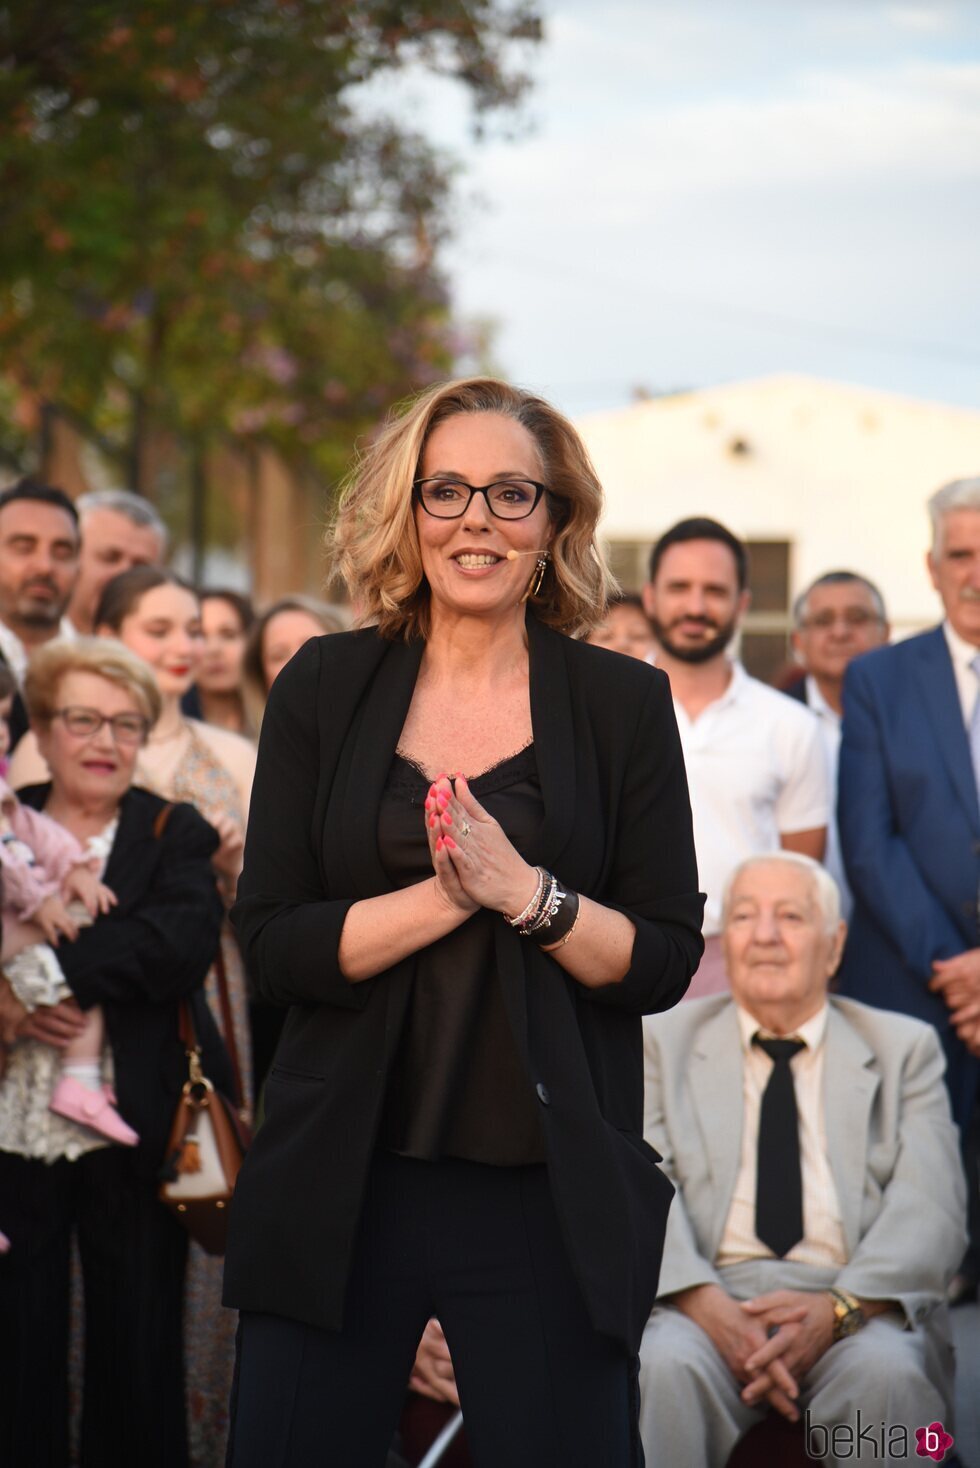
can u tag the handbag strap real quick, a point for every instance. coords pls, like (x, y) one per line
(228, 1024)
(185, 1020)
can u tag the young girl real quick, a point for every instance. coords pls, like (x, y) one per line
(49, 891)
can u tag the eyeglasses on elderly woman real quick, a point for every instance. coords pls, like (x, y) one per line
(85, 724)
(508, 499)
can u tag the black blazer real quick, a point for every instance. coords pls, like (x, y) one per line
(617, 826)
(152, 949)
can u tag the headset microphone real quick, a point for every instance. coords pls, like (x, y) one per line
(512, 555)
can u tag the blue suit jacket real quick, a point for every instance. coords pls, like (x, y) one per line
(910, 835)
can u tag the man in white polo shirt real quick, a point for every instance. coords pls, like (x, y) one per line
(755, 764)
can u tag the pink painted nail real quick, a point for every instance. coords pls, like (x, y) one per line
(432, 822)
(449, 842)
(439, 844)
(447, 818)
(442, 801)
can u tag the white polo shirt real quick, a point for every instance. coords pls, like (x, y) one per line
(757, 770)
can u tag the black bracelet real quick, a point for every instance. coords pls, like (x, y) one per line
(560, 924)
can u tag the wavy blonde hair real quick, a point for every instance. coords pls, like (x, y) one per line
(100, 655)
(373, 542)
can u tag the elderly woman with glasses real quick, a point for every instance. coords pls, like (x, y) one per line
(92, 704)
(469, 871)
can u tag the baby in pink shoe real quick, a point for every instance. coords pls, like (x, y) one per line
(49, 891)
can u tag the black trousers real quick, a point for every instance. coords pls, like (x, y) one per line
(133, 1256)
(481, 1249)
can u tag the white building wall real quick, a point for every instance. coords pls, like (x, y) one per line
(841, 472)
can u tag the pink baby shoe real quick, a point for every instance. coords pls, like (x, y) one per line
(92, 1109)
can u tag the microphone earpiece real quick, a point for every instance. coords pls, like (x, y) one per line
(512, 555)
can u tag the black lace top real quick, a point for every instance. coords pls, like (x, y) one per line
(457, 1086)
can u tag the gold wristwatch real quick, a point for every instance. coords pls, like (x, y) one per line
(848, 1315)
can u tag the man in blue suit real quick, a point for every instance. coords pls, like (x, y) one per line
(909, 812)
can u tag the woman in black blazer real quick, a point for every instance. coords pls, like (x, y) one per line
(453, 1118)
(137, 961)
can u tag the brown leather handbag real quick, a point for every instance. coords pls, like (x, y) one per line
(208, 1139)
(209, 1135)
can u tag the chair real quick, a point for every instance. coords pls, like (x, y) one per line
(771, 1443)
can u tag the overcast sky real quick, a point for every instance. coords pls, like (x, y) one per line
(709, 190)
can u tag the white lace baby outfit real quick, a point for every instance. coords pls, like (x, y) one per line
(30, 873)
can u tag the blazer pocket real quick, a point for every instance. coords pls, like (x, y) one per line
(640, 1143)
(290, 1077)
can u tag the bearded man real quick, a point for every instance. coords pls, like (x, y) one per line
(38, 569)
(755, 764)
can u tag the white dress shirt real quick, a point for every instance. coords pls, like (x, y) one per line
(756, 771)
(829, 720)
(823, 1231)
(14, 652)
(967, 683)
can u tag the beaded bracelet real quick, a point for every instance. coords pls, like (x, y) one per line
(550, 905)
(560, 926)
(542, 904)
(533, 907)
(550, 915)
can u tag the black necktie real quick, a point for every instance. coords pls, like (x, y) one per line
(779, 1182)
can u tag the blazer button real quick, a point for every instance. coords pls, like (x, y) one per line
(542, 1094)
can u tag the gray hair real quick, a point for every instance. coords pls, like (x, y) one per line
(134, 507)
(839, 578)
(960, 494)
(825, 889)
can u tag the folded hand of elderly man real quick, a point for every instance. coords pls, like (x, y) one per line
(742, 1343)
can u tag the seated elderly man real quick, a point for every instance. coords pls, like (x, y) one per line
(820, 1205)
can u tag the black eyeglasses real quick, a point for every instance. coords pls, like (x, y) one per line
(508, 499)
(86, 723)
(856, 617)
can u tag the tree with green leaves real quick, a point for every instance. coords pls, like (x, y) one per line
(202, 238)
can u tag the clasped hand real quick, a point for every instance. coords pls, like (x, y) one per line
(474, 862)
(769, 1343)
(799, 1327)
(957, 980)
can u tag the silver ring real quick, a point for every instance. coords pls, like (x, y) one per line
(465, 829)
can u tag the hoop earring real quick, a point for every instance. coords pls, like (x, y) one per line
(534, 585)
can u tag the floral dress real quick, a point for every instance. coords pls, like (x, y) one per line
(202, 780)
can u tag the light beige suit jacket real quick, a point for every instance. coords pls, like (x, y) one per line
(894, 1151)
